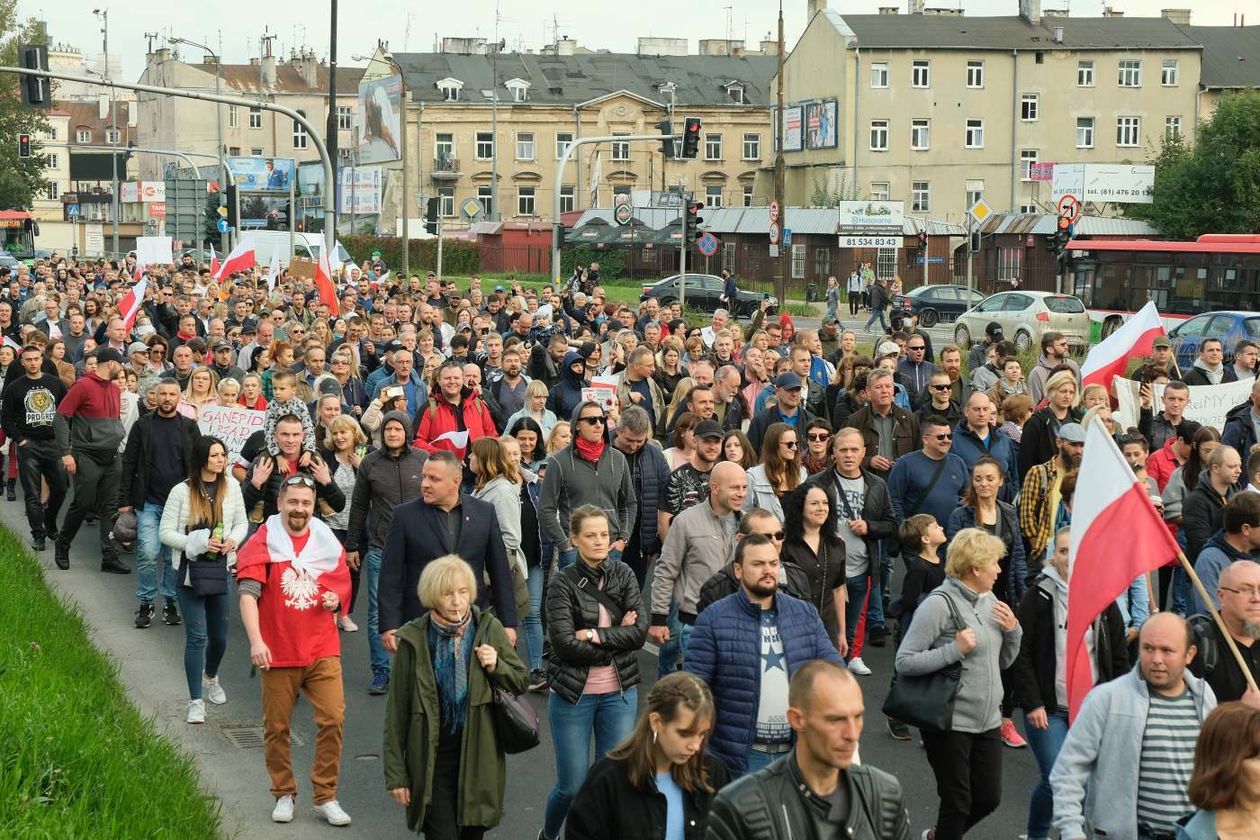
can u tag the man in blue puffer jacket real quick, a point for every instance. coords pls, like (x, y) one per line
(764, 636)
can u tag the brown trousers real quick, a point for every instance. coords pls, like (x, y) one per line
(321, 682)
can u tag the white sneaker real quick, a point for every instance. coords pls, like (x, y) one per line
(857, 666)
(283, 812)
(347, 625)
(333, 812)
(196, 711)
(213, 691)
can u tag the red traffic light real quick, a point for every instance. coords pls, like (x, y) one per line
(24, 145)
(1064, 223)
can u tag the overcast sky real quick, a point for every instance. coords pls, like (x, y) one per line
(528, 24)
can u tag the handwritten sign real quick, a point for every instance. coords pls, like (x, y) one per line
(1208, 403)
(231, 424)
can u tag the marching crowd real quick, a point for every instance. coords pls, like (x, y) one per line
(532, 488)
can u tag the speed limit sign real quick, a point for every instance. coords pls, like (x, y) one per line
(774, 212)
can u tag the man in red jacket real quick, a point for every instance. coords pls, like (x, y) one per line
(453, 418)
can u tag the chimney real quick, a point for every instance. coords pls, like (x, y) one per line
(1112, 13)
(770, 46)
(269, 72)
(916, 7)
(209, 59)
(308, 67)
(888, 10)
(1030, 10)
(815, 6)
(1181, 17)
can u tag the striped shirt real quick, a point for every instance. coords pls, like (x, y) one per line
(1172, 727)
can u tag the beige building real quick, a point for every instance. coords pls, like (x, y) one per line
(938, 110)
(458, 138)
(1231, 63)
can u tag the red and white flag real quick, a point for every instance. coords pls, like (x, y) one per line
(324, 286)
(1116, 536)
(214, 263)
(129, 306)
(242, 258)
(1134, 338)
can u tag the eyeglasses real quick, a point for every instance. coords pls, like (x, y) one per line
(819, 437)
(777, 536)
(1247, 592)
(790, 444)
(339, 362)
(304, 480)
(593, 420)
(917, 347)
(939, 387)
(943, 437)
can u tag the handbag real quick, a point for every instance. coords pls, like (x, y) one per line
(927, 700)
(208, 574)
(515, 721)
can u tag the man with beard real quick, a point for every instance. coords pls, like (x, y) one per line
(1039, 496)
(508, 390)
(1240, 610)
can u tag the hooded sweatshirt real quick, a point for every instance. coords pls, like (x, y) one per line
(384, 481)
(89, 418)
(1215, 555)
(564, 398)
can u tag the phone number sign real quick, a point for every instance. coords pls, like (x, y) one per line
(870, 241)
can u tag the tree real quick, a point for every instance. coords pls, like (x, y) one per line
(1213, 186)
(21, 179)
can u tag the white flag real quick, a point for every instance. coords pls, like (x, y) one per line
(273, 273)
(597, 173)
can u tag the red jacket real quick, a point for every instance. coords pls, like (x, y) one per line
(1160, 464)
(440, 417)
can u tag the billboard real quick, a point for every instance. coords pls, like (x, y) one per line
(875, 216)
(380, 120)
(360, 190)
(259, 174)
(820, 125)
(1104, 182)
(792, 115)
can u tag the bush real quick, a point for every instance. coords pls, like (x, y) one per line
(612, 263)
(459, 256)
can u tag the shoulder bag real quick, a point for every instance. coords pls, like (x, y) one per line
(515, 721)
(927, 700)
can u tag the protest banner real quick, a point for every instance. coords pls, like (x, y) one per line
(1208, 403)
(231, 424)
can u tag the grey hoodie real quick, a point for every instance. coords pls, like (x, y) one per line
(382, 484)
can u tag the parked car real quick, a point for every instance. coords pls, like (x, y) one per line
(1026, 316)
(703, 292)
(9, 261)
(934, 304)
(1230, 326)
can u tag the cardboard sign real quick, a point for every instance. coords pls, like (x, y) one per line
(605, 396)
(1208, 403)
(302, 269)
(231, 424)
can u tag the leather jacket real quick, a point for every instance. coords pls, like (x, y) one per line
(772, 805)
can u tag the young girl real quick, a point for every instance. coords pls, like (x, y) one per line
(284, 401)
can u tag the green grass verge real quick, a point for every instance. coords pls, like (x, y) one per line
(76, 758)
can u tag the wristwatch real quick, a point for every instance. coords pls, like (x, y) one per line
(590, 635)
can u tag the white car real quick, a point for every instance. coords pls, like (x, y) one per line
(1024, 317)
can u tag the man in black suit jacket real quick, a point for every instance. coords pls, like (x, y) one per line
(442, 521)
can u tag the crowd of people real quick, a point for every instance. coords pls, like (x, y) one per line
(537, 487)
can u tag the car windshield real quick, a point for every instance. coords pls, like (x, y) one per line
(1064, 305)
(1251, 327)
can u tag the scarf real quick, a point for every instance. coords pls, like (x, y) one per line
(589, 451)
(450, 646)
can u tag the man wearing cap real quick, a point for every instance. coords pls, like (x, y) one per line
(261, 334)
(1040, 495)
(1162, 355)
(788, 409)
(980, 350)
(138, 355)
(688, 485)
(222, 362)
(89, 431)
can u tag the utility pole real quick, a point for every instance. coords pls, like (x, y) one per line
(331, 143)
(115, 205)
(780, 177)
(494, 121)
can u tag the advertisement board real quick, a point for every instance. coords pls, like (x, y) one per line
(260, 174)
(1104, 182)
(792, 136)
(881, 217)
(820, 125)
(380, 120)
(360, 190)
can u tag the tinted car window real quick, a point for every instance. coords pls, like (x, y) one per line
(1251, 327)
(1064, 305)
(1193, 327)
(1017, 303)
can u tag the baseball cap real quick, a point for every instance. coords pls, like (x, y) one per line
(108, 354)
(221, 344)
(1071, 432)
(500, 289)
(993, 329)
(710, 428)
(887, 348)
(1161, 341)
(787, 380)
(137, 347)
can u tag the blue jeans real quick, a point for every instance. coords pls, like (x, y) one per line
(376, 651)
(758, 760)
(853, 610)
(205, 636)
(676, 648)
(533, 621)
(609, 716)
(881, 583)
(1045, 744)
(877, 313)
(149, 550)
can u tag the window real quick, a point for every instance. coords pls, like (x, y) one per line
(525, 145)
(1029, 208)
(345, 118)
(748, 195)
(450, 89)
(728, 256)
(798, 262)
(234, 116)
(519, 88)
(299, 134)
(443, 146)
(233, 151)
(879, 191)
(1085, 73)
(1009, 263)
(485, 145)
(51, 161)
(921, 74)
(53, 192)
(568, 202)
(112, 136)
(920, 135)
(485, 194)
(51, 134)
(1028, 107)
(1128, 131)
(879, 74)
(822, 262)
(752, 147)
(1084, 132)
(713, 147)
(255, 117)
(886, 263)
(975, 74)
(1027, 157)
(621, 149)
(879, 135)
(446, 201)
(1172, 128)
(920, 196)
(564, 139)
(256, 151)
(713, 196)
(1130, 72)
(525, 201)
(1170, 73)
(736, 93)
(975, 134)
(975, 192)
(83, 135)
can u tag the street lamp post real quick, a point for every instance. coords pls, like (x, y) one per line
(218, 120)
(115, 206)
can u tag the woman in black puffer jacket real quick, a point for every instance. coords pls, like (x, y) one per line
(594, 633)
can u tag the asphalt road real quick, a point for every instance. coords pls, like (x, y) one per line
(150, 666)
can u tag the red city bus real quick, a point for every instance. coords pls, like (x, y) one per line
(1115, 278)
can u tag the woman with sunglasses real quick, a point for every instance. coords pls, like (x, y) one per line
(817, 455)
(779, 472)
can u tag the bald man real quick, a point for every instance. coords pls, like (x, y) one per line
(1132, 743)
(1238, 593)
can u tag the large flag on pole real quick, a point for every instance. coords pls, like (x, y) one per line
(129, 306)
(1116, 536)
(324, 283)
(1134, 338)
(242, 258)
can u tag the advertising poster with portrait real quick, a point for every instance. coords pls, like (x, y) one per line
(380, 120)
(820, 125)
(260, 174)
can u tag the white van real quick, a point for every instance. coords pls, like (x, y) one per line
(306, 245)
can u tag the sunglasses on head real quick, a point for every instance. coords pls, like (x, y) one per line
(304, 480)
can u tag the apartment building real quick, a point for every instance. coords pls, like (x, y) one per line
(938, 110)
(1231, 63)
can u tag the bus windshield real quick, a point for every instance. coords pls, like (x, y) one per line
(17, 234)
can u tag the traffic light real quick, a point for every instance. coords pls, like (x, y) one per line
(691, 138)
(35, 91)
(667, 139)
(923, 241)
(431, 209)
(692, 221)
(1063, 235)
(24, 145)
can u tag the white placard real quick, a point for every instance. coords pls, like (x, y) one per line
(871, 214)
(871, 241)
(94, 240)
(231, 424)
(154, 250)
(1208, 403)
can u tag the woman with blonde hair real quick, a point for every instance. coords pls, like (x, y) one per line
(669, 367)
(203, 384)
(560, 437)
(342, 448)
(1063, 406)
(779, 472)
(497, 480)
(535, 407)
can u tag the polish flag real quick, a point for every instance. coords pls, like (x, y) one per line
(129, 306)
(1111, 357)
(242, 258)
(1116, 536)
(324, 284)
(214, 263)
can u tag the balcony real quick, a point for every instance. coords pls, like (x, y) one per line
(446, 168)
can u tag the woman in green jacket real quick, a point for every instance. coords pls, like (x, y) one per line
(438, 716)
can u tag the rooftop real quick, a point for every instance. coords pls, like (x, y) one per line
(1231, 55)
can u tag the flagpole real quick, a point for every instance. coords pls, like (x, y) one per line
(1220, 622)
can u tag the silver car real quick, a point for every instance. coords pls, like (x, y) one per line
(1026, 316)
